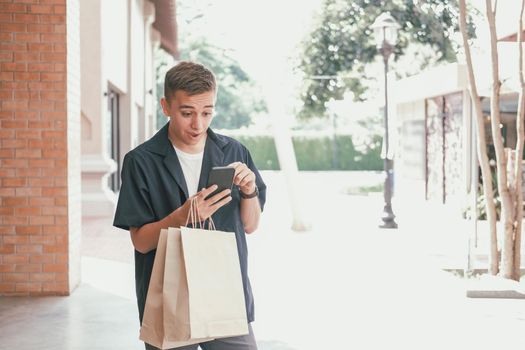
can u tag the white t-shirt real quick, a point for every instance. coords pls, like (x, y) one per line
(191, 168)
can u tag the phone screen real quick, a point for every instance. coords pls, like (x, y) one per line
(222, 177)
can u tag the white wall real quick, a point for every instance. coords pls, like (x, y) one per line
(408, 101)
(410, 158)
(411, 130)
(114, 26)
(117, 52)
(73, 142)
(435, 81)
(91, 73)
(137, 51)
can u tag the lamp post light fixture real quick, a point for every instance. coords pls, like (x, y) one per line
(385, 33)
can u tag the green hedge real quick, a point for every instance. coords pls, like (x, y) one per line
(315, 153)
(262, 149)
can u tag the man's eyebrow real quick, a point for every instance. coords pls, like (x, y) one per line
(191, 107)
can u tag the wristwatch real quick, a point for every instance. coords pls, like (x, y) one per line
(255, 193)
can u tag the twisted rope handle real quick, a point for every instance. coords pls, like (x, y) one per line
(195, 216)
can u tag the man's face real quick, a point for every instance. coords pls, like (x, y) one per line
(190, 117)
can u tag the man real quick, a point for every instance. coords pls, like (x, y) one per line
(160, 177)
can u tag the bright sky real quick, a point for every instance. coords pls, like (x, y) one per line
(262, 36)
(261, 33)
(506, 18)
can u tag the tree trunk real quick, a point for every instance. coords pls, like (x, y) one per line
(287, 159)
(516, 197)
(507, 204)
(518, 167)
(482, 146)
(508, 262)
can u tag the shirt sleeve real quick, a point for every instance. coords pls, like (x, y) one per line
(258, 179)
(134, 204)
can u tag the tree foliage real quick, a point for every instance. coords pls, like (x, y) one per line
(237, 99)
(342, 44)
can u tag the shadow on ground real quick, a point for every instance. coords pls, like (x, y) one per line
(273, 345)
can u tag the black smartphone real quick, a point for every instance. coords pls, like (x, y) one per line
(222, 176)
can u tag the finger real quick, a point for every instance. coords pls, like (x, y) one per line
(216, 206)
(212, 208)
(242, 179)
(239, 178)
(248, 179)
(239, 168)
(206, 191)
(234, 164)
(239, 173)
(210, 201)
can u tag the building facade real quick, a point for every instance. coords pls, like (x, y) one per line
(76, 92)
(436, 157)
(118, 107)
(433, 117)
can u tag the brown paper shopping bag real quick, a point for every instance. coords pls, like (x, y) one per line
(166, 316)
(195, 292)
(216, 297)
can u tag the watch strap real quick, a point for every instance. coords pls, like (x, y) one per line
(255, 193)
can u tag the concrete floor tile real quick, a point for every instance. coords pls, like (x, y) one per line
(88, 319)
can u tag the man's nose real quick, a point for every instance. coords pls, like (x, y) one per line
(196, 123)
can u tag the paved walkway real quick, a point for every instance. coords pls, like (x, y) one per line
(345, 284)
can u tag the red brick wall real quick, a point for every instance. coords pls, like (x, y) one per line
(33, 148)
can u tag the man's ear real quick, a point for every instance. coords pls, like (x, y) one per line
(165, 106)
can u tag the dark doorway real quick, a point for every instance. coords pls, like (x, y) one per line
(114, 133)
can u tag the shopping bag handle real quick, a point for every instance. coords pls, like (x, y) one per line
(195, 217)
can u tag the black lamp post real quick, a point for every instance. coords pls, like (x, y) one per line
(385, 32)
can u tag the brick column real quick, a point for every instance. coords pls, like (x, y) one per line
(39, 135)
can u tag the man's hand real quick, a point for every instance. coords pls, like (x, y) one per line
(250, 209)
(206, 207)
(146, 237)
(244, 177)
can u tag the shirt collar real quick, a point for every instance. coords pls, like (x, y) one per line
(213, 155)
(161, 144)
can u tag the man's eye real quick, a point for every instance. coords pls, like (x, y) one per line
(186, 114)
(208, 114)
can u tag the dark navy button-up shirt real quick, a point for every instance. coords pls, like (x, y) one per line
(153, 186)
